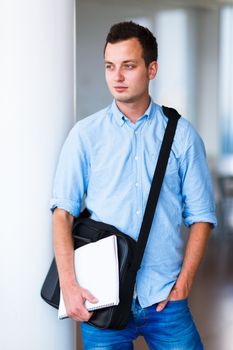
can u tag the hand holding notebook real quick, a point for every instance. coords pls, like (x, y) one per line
(96, 269)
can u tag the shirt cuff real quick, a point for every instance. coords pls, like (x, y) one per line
(192, 219)
(68, 205)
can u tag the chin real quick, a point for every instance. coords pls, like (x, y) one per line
(125, 99)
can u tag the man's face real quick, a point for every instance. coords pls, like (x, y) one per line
(126, 74)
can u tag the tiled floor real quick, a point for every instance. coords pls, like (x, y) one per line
(211, 299)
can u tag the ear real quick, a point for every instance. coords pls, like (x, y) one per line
(152, 70)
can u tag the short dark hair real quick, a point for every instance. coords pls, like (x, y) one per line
(128, 30)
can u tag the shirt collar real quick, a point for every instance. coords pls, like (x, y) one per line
(121, 118)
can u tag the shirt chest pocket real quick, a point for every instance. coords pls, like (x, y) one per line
(172, 178)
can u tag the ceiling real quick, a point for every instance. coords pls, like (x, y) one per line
(155, 3)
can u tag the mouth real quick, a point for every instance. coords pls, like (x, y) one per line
(120, 88)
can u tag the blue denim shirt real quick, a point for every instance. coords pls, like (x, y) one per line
(112, 161)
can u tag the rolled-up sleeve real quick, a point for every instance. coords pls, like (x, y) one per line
(71, 176)
(197, 190)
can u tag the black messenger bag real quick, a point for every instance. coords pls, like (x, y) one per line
(130, 252)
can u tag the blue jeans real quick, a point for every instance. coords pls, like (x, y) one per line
(171, 329)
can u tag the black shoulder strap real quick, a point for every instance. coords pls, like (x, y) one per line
(173, 117)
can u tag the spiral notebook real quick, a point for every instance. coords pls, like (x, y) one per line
(96, 269)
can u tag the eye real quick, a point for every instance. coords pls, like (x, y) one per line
(129, 66)
(108, 66)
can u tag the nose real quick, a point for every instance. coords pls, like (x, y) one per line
(119, 75)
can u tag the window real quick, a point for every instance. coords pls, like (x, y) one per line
(226, 79)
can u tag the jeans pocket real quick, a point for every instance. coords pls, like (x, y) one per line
(177, 304)
(178, 300)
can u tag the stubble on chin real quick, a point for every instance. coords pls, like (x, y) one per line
(124, 99)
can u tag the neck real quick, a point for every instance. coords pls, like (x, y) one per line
(133, 110)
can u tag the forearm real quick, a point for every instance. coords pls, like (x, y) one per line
(195, 249)
(74, 295)
(63, 246)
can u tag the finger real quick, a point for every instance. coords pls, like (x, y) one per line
(88, 296)
(80, 314)
(161, 305)
(83, 317)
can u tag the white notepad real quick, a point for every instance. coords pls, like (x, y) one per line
(96, 269)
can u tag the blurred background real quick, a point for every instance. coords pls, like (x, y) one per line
(51, 75)
(195, 41)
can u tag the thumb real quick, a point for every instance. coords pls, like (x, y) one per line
(161, 305)
(88, 296)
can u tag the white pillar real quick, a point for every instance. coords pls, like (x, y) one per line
(36, 111)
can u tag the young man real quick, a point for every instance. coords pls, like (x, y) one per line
(111, 156)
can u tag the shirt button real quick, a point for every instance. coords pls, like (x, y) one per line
(136, 158)
(137, 184)
(138, 212)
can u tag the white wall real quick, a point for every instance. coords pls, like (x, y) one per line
(36, 111)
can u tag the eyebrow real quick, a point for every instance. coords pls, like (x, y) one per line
(126, 61)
